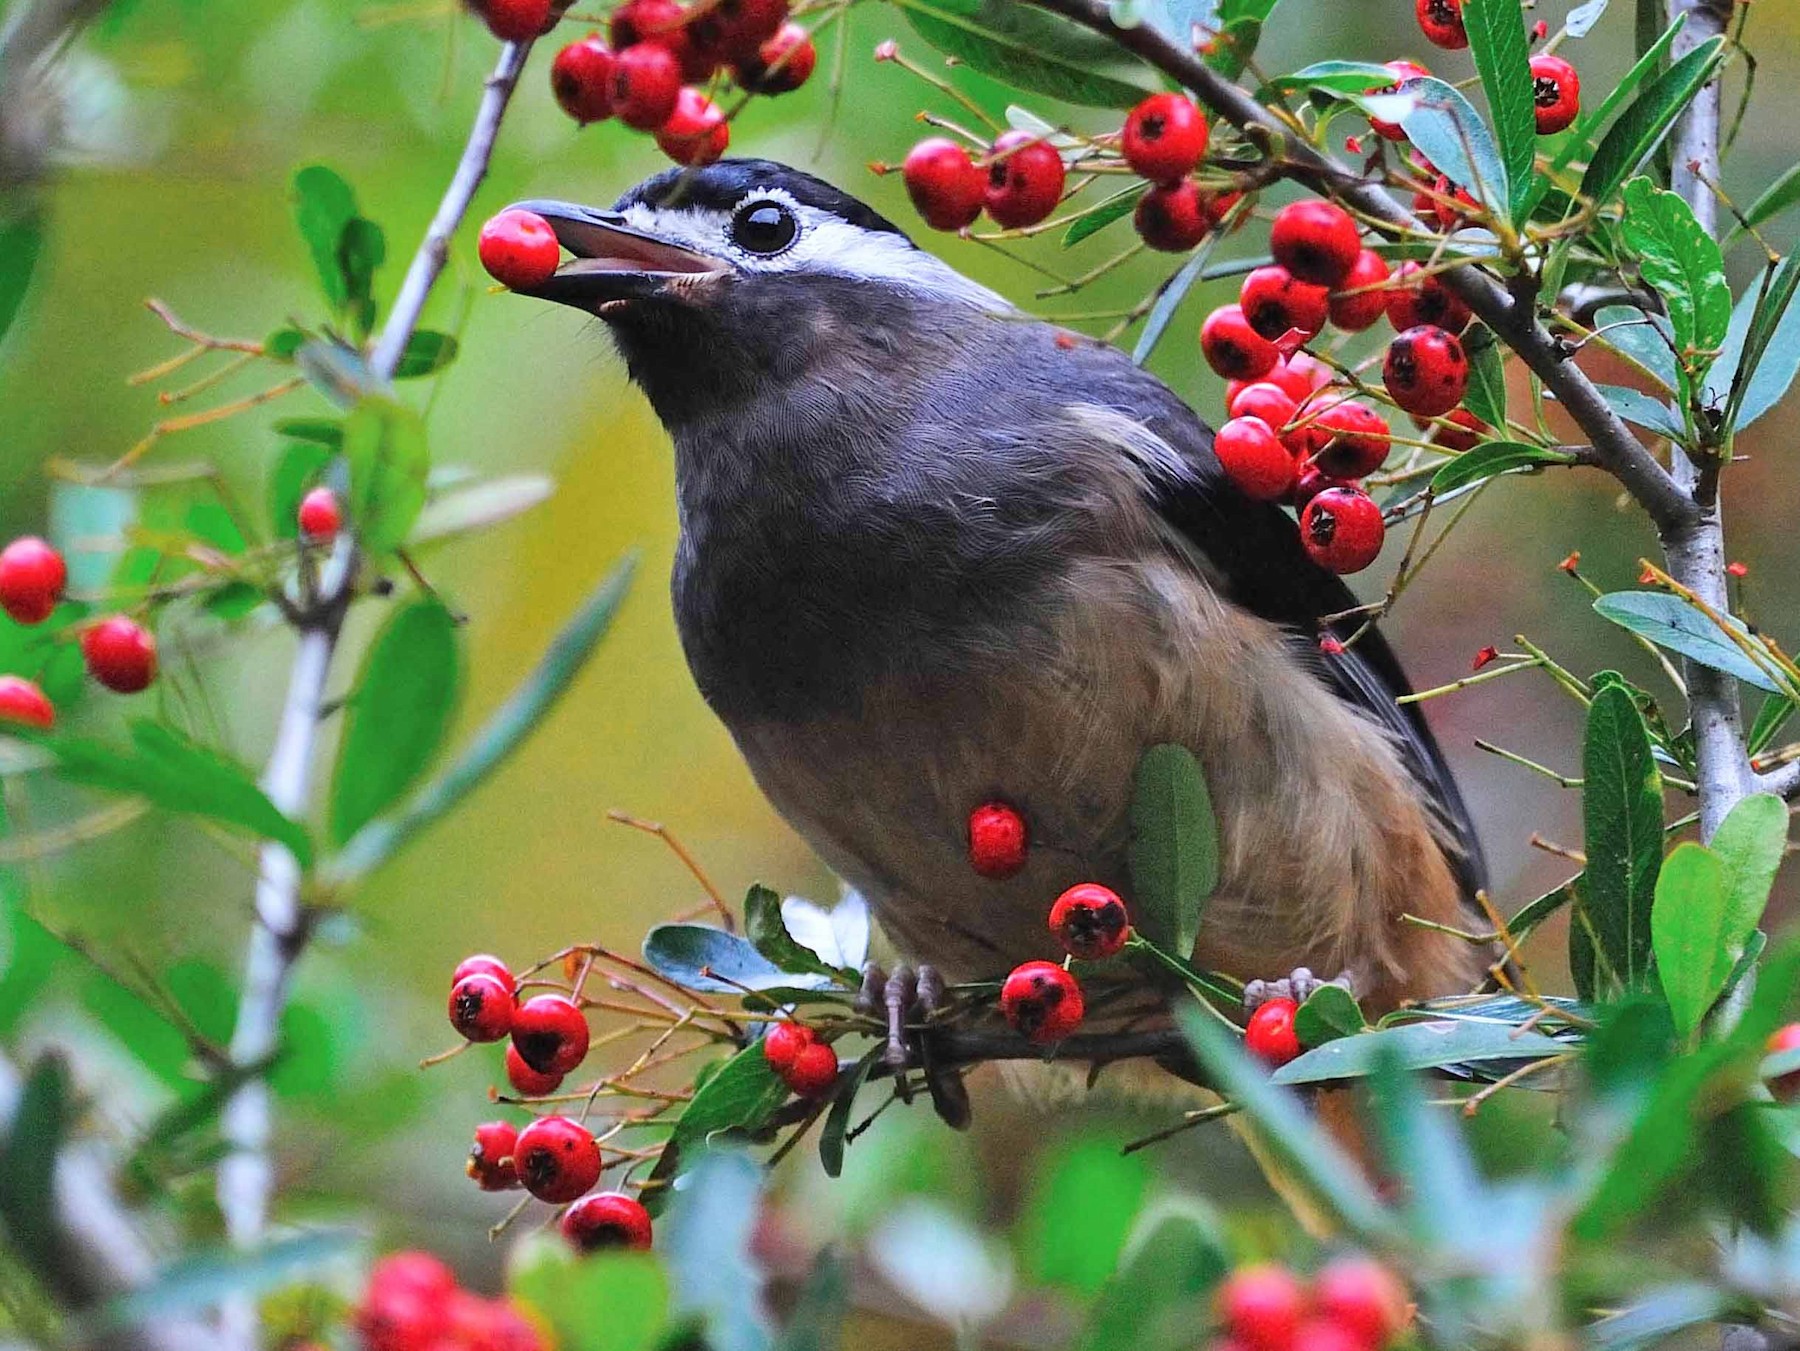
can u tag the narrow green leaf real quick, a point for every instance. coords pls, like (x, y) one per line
(1750, 842)
(29, 1145)
(834, 1135)
(361, 249)
(21, 241)
(1687, 928)
(1779, 196)
(1622, 812)
(1490, 458)
(1449, 1208)
(1642, 126)
(1174, 854)
(1437, 1044)
(384, 444)
(1114, 208)
(1770, 719)
(1656, 1317)
(498, 738)
(179, 775)
(1486, 398)
(1682, 263)
(1338, 77)
(704, 958)
(394, 724)
(1163, 312)
(1670, 622)
(1502, 55)
(1578, 143)
(1446, 128)
(1027, 49)
(1651, 414)
(323, 206)
(327, 432)
(427, 352)
(1760, 377)
(478, 505)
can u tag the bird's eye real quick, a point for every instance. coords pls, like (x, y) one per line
(764, 227)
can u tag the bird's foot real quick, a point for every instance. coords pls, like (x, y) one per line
(907, 1000)
(1298, 985)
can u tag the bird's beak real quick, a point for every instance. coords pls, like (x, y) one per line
(613, 263)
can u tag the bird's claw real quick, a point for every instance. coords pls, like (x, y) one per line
(1298, 985)
(904, 998)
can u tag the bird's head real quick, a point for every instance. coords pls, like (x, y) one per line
(718, 280)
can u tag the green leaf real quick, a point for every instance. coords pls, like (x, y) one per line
(323, 206)
(834, 1135)
(1760, 372)
(1502, 55)
(21, 241)
(361, 249)
(405, 700)
(1580, 21)
(1670, 622)
(1622, 810)
(1779, 196)
(1642, 126)
(295, 472)
(1114, 208)
(324, 431)
(1688, 930)
(1656, 1317)
(1682, 263)
(1173, 293)
(498, 738)
(1176, 1258)
(1450, 133)
(1649, 413)
(1770, 719)
(1751, 842)
(32, 1139)
(1486, 398)
(1338, 77)
(704, 958)
(284, 343)
(769, 934)
(1445, 1199)
(1092, 1179)
(1027, 49)
(1639, 337)
(1329, 1012)
(427, 352)
(1436, 1044)
(384, 444)
(1174, 853)
(475, 506)
(739, 1097)
(179, 776)
(1491, 458)
(610, 1301)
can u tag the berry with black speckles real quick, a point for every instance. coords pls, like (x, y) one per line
(606, 1220)
(1555, 93)
(490, 1164)
(1025, 180)
(1042, 1002)
(1315, 240)
(556, 1159)
(1233, 348)
(1442, 23)
(1090, 921)
(1274, 300)
(1341, 529)
(1164, 138)
(1426, 371)
(550, 1033)
(481, 1008)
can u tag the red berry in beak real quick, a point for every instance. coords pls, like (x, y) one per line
(518, 249)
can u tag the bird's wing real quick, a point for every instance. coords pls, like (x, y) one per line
(1254, 549)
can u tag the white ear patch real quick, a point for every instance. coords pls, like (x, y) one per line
(826, 244)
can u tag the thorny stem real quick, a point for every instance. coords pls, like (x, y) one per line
(280, 930)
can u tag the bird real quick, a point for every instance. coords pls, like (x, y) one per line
(935, 552)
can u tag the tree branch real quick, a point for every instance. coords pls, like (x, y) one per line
(1783, 782)
(280, 929)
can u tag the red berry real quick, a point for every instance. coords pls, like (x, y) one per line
(1266, 400)
(1270, 1035)
(645, 82)
(1785, 1087)
(1342, 530)
(1316, 241)
(518, 249)
(1353, 307)
(1090, 922)
(1304, 366)
(1261, 1306)
(120, 654)
(21, 701)
(1254, 458)
(1364, 1298)
(1173, 219)
(406, 1305)
(783, 1042)
(1446, 205)
(1234, 349)
(606, 1220)
(481, 1008)
(556, 1159)
(1421, 297)
(745, 25)
(696, 132)
(581, 79)
(946, 186)
(1426, 371)
(514, 20)
(998, 841)
(1555, 93)
(1313, 481)
(484, 964)
(1025, 180)
(1274, 300)
(1359, 444)
(1466, 432)
(319, 517)
(526, 1081)
(1403, 70)
(1041, 1001)
(490, 1163)
(665, 24)
(814, 1071)
(1164, 137)
(1442, 23)
(32, 577)
(1321, 1334)
(550, 1033)
(782, 63)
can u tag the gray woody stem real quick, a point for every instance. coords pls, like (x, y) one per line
(280, 931)
(1692, 541)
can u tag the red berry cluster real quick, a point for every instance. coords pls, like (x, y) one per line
(413, 1303)
(1354, 1304)
(549, 1031)
(806, 1065)
(118, 651)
